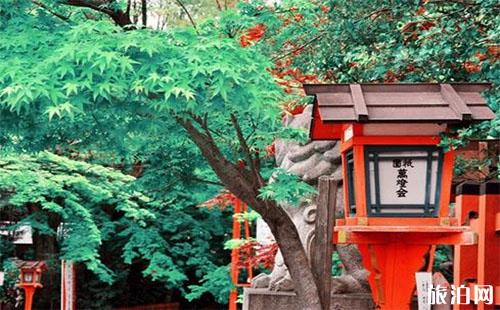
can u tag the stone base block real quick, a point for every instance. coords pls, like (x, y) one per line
(264, 299)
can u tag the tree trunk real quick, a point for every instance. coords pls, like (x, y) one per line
(245, 185)
(286, 236)
(295, 258)
(144, 11)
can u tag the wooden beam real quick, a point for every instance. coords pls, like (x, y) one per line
(456, 103)
(322, 247)
(359, 102)
(422, 238)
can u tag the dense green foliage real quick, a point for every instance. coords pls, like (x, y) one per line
(75, 193)
(214, 282)
(101, 213)
(97, 93)
(377, 41)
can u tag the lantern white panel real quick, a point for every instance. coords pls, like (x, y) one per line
(402, 178)
(413, 189)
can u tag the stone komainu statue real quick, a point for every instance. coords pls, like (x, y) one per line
(310, 161)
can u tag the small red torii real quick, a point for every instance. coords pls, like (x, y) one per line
(228, 199)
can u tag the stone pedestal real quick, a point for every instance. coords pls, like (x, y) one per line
(262, 299)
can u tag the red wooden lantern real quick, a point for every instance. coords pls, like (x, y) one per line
(397, 180)
(30, 279)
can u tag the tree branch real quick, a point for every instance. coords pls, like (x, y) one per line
(280, 223)
(127, 11)
(206, 181)
(300, 47)
(179, 2)
(219, 7)
(468, 3)
(48, 9)
(246, 149)
(121, 18)
(375, 14)
(236, 180)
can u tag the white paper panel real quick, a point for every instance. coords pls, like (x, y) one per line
(424, 284)
(402, 180)
(401, 210)
(412, 191)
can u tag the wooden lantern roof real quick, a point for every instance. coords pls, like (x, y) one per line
(30, 265)
(401, 103)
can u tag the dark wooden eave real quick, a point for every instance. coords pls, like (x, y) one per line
(30, 265)
(422, 102)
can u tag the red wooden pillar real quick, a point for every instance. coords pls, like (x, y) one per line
(29, 291)
(479, 207)
(235, 257)
(488, 265)
(246, 228)
(465, 256)
(392, 268)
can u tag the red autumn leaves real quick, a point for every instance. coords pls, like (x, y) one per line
(286, 76)
(420, 25)
(412, 27)
(291, 78)
(492, 54)
(221, 200)
(472, 67)
(271, 150)
(295, 110)
(252, 253)
(259, 255)
(253, 34)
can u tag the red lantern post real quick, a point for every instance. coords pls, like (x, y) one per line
(397, 180)
(30, 279)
